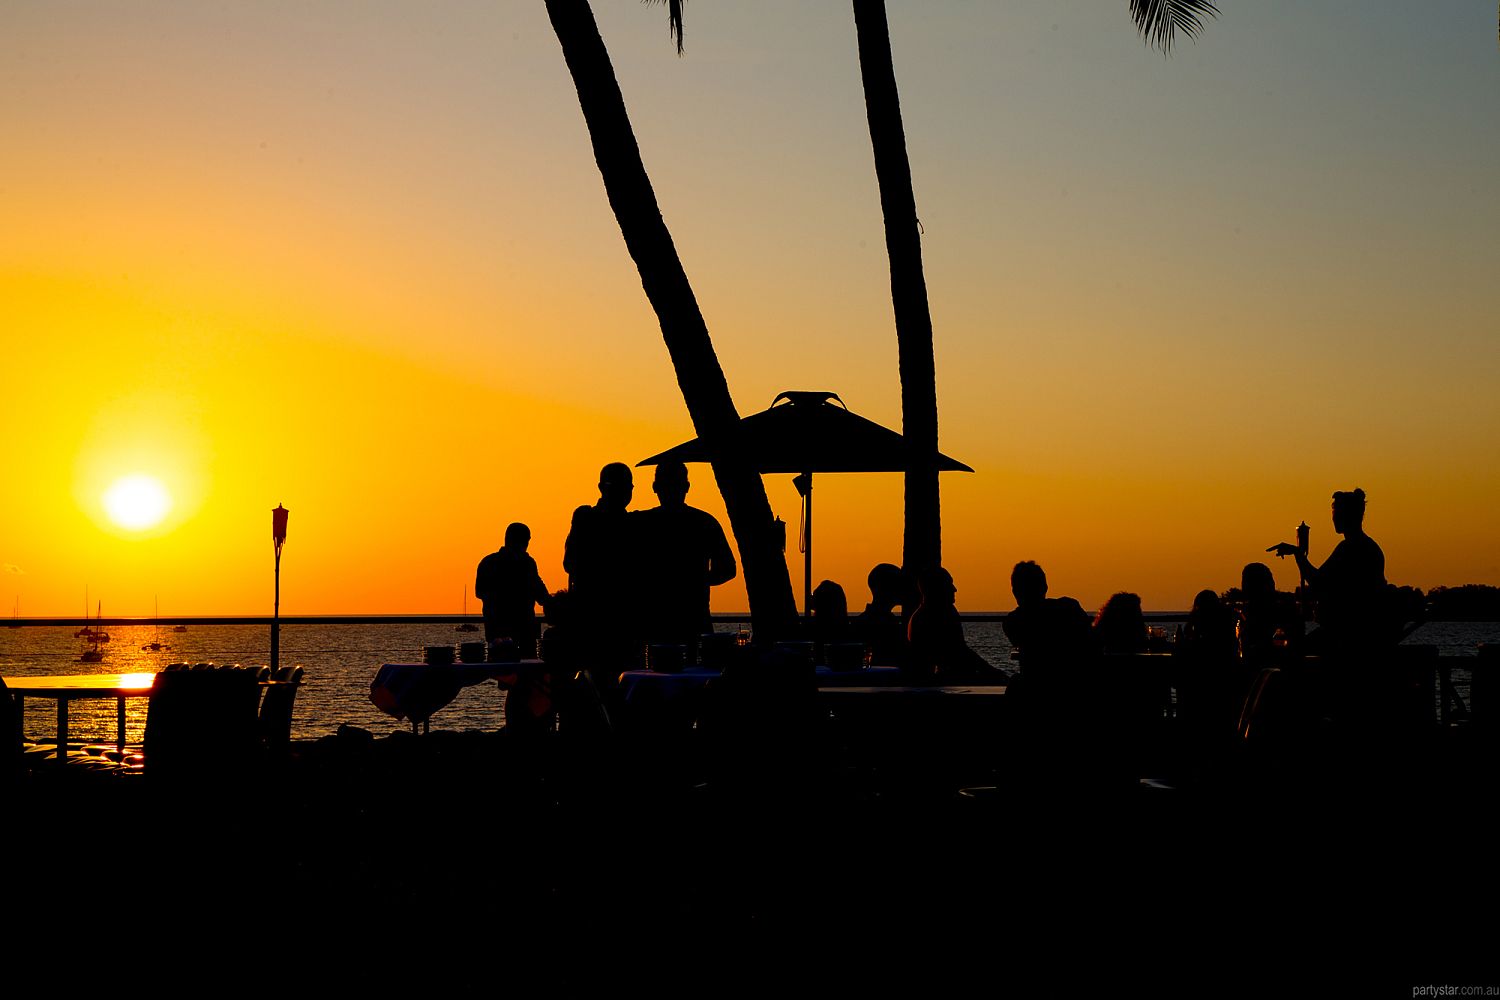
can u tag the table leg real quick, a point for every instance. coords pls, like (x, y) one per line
(120, 723)
(62, 730)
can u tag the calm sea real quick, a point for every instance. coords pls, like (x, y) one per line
(340, 661)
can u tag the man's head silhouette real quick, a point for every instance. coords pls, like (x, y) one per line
(671, 483)
(1028, 583)
(616, 486)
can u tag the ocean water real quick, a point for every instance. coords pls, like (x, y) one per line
(341, 660)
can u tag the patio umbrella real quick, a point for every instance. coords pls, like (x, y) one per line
(804, 433)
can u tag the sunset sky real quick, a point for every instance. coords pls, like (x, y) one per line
(357, 259)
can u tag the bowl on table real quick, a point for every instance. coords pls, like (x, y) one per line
(472, 652)
(437, 656)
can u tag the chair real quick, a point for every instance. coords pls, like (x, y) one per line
(201, 723)
(11, 755)
(275, 722)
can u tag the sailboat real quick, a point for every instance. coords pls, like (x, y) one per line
(95, 634)
(94, 654)
(156, 645)
(467, 626)
(85, 632)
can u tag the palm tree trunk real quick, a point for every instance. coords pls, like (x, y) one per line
(704, 389)
(922, 546)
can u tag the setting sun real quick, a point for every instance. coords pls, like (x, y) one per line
(137, 502)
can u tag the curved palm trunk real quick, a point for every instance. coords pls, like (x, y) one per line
(922, 547)
(704, 389)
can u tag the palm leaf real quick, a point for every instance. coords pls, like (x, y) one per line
(674, 19)
(1159, 21)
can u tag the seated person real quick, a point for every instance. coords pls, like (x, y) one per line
(1049, 633)
(1211, 681)
(878, 626)
(828, 619)
(936, 636)
(1120, 628)
(1264, 615)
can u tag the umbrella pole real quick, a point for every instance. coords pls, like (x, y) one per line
(804, 487)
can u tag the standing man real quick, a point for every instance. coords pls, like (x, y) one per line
(683, 554)
(508, 583)
(599, 557)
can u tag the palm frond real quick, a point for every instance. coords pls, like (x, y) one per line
(674, 18)
(1159, 21)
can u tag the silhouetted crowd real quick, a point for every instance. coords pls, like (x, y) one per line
(639, 584)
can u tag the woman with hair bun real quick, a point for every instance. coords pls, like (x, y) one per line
(1350, 584)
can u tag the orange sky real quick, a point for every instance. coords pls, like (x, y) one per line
(363, 266)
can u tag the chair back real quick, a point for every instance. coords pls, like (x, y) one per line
(275, 725)
(202, 723)
(11, 753)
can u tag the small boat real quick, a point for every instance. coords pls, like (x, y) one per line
(467, 626)
(156, 645)
(179, 628)
(95, 634)
(94, 654)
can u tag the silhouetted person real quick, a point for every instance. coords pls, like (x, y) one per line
(1121, 626)
(936, 635)
(879, 626)
(1349, 587)
(1208, 633)
(1054, 703)
(683, 553)
(1049, 632)
(1266, 617)
(828, 618)
(508, 583)
(600, 559)
(1211, 681)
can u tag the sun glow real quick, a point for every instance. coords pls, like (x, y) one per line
(137, 502)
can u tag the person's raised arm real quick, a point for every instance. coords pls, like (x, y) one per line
(1304, 565)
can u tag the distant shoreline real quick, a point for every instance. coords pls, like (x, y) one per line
(975, 616)
(734, 616)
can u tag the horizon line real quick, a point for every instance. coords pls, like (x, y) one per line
(400, 619)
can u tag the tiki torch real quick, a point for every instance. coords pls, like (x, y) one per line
(278, 535)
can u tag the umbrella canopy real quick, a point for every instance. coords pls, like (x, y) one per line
(805, 432)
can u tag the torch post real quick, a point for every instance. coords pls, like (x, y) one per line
(278, 535)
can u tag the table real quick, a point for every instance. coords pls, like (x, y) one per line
(67, 687)
(416, 690)
(636, 684)
(914, 690)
